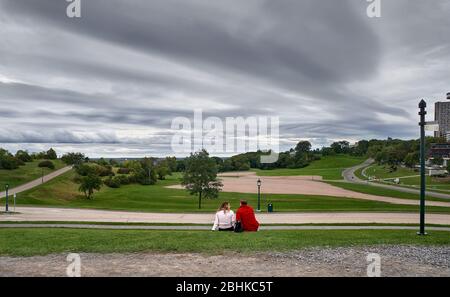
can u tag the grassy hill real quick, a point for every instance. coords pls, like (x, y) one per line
(26, 173)
(62, 192)
(329, 167)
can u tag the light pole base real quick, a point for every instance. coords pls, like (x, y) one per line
(422, 234)
(258, 210)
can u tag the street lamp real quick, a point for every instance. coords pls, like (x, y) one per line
(6, 192)
(259, 194)
(422, 124)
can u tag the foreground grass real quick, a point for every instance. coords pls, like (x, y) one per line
(29, 242)
(329, 167)
(26, 173)
(62, 192)
(374, 190)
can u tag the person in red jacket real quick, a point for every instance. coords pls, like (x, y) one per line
(246, 216)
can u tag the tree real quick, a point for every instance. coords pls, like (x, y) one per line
(90, 183)
(51, 154)
(162, 170)
(73, 158)
(411, 159)
(303, 147)
(200, 176)
(23, 156)
(171, 163)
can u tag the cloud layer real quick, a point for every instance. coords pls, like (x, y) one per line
(111, 82)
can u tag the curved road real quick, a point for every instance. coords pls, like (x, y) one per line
(349, 175)
(36, 182)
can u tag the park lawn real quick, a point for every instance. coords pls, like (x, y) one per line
(382, 172)
(62, 192)
(358, 173)
(431, 182)
(26, 173)
(43, 241)
(374, 190)
(329, 167)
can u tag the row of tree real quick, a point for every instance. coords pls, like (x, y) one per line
(9, 161)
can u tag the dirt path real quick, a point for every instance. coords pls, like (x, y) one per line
(245, 182)
(395, 261)
(36, 182)
(91, 215)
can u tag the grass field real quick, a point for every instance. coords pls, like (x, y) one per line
(373, 190)
(382, 172)
(29, 242)
(329, 167)
(26, 173)
(62, 192)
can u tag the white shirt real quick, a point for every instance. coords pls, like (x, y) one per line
(224, 220)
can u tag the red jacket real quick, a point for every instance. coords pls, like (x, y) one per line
(246, 215)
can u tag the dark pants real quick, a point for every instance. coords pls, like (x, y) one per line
(228, 229)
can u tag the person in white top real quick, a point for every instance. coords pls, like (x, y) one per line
(225, 218)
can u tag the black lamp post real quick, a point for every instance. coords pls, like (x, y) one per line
(259, 194)
(6, 192)
(422, 113)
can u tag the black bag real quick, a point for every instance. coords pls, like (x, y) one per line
(238, 227)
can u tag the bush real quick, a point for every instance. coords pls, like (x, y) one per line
(47, 164)
(112, 182)
(124, 171)
(123, 179)
(23, 156)
(9, 162)
(117, 181)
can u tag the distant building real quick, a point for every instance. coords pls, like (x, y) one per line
(442, 117)
(439, 150)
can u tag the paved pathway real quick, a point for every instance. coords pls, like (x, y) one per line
(193, 228)
(30, 214)
(36, 182)
(349, 175)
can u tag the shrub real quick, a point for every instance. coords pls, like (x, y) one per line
(123, 179)
(112, 182)
(47, 164)
(23, 156)
(9, 162)
(124, 170)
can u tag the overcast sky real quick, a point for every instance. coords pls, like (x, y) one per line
(110, 83)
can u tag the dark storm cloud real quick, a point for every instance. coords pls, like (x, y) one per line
(326, 69)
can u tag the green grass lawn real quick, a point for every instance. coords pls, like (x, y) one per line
(382, 172)
(29, 242)
(329, 167)
(374, 190)
(62, 192)
(26, 173)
